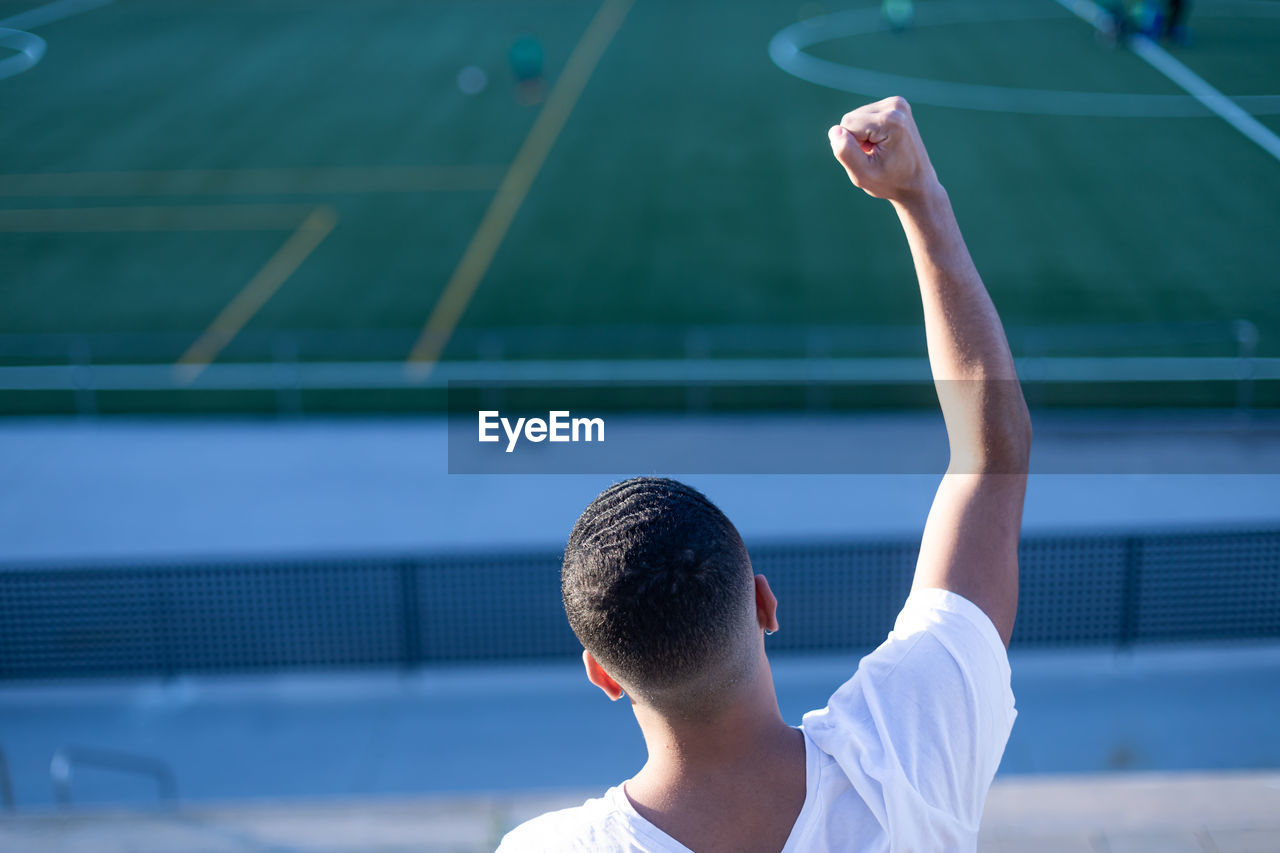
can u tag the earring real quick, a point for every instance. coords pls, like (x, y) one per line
(769, 633)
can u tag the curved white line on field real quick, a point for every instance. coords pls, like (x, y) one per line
(787, 50)
(28, 51)
(29, 47)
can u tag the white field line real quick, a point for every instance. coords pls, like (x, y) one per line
(28, 50)
(50, 12)
(31, 48)
(1195, 85)
(1230, 112)
(788, 47)
(234, 376)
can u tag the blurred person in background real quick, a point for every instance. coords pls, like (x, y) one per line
(1175, 22)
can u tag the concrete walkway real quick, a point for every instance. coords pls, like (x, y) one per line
(1139, 813)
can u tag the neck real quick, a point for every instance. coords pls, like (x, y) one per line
(686, 753)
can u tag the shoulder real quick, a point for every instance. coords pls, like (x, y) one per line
(926, 716)
(596, 825)
(949, 615)
(936, 635)
(943, 647)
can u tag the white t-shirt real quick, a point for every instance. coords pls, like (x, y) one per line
(899, 760)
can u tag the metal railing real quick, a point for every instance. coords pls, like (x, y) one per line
(289, 364)
(6, 784)
(65, 760)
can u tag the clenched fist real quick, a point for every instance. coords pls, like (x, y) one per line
(880, 147)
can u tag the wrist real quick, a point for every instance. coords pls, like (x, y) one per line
(926, 202)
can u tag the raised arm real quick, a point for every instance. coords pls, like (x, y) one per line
(970, 543)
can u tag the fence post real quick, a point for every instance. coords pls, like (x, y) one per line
(817, 347)
(1246, 348)
(492, 394)
(288, 382)
(162, 620)
(410, 614)
(697, 347)
(81, 357)
(1131, 591)
(6, 784)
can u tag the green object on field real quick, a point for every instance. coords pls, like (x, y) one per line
(526, 58)
(898, 13)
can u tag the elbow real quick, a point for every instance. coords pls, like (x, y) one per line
(1010, 442)
(1012, 428)
(1001, 443)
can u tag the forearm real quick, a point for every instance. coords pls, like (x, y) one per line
(987, 422)
(970, 542)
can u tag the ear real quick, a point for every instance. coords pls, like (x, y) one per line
(597, 676)
(766, 605)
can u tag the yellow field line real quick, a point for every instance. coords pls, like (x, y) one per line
(329, 179)
(515, 185)
(261, 287)
(222, 217)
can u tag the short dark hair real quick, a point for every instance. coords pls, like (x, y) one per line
(658, 586)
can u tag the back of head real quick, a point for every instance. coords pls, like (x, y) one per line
(658, 586)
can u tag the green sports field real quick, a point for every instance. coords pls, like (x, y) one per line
(258, 182)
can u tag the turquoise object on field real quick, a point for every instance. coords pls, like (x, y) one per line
(898, 13)
(526, 58)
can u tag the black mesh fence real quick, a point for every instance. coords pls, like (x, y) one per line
(231, 616)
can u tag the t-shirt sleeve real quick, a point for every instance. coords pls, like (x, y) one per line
(927, 714)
